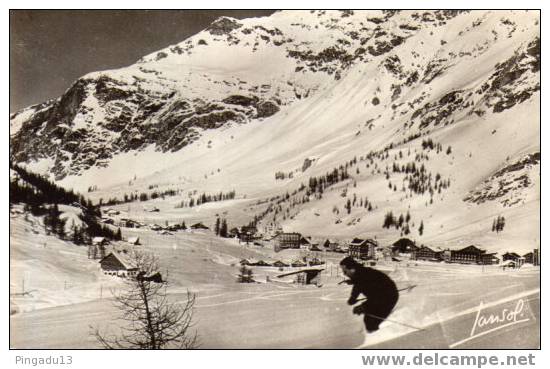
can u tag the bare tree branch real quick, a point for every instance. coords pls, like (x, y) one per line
(150, 320)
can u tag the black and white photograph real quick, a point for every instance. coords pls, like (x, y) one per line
(275, 179)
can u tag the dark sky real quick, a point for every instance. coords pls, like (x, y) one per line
(51, 49)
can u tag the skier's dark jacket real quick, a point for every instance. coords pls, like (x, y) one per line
(374, 284)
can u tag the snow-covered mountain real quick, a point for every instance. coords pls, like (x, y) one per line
(272, 107)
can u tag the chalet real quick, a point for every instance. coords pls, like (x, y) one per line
(134, 241)
(280, 264)
(468, 255)
(153, 277)
(315, 261)
(362, 248)
(306, 243)
(306, 276)
(490, 259)
(118, 264)
(511, 256)
(261, 263)
(315, 247)
(298, 264)
(517, 259)
(155, 227)
(508, 264)
(247, 234)
(331, 245)
(175, 227)
(128, 223)
(199, 226)
(246, 238)
(272, 229)
(233, 232)
(532, 257)
(166, 232)
(425, 253)
(404, 247)
(249, 229)
(288, 240)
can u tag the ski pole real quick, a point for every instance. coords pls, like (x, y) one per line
(394, 321)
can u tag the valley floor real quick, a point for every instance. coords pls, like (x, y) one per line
(445, 303)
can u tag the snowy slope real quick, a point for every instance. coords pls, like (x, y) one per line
(242, 100)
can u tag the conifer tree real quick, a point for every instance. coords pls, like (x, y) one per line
(223, 228)
(217, 227)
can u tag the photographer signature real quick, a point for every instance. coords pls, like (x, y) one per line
(498, 320)
(497, 315)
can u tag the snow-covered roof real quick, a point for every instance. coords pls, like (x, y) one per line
(123, 258)
(360, 241)
(280, 262)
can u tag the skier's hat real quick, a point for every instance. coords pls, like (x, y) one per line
(349, 262)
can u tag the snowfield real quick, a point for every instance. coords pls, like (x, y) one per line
(68, 294)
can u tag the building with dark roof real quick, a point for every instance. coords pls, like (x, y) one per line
(118, 264)
(469, 255)
(362, 248)
(288, 240)
(426, 253)
(511, 256)
(404, 246)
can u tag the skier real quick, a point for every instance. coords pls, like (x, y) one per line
(378, 288)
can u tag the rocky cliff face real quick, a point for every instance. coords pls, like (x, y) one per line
(100, 116)
(163, 100)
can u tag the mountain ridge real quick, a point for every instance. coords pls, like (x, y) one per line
(243, 100)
